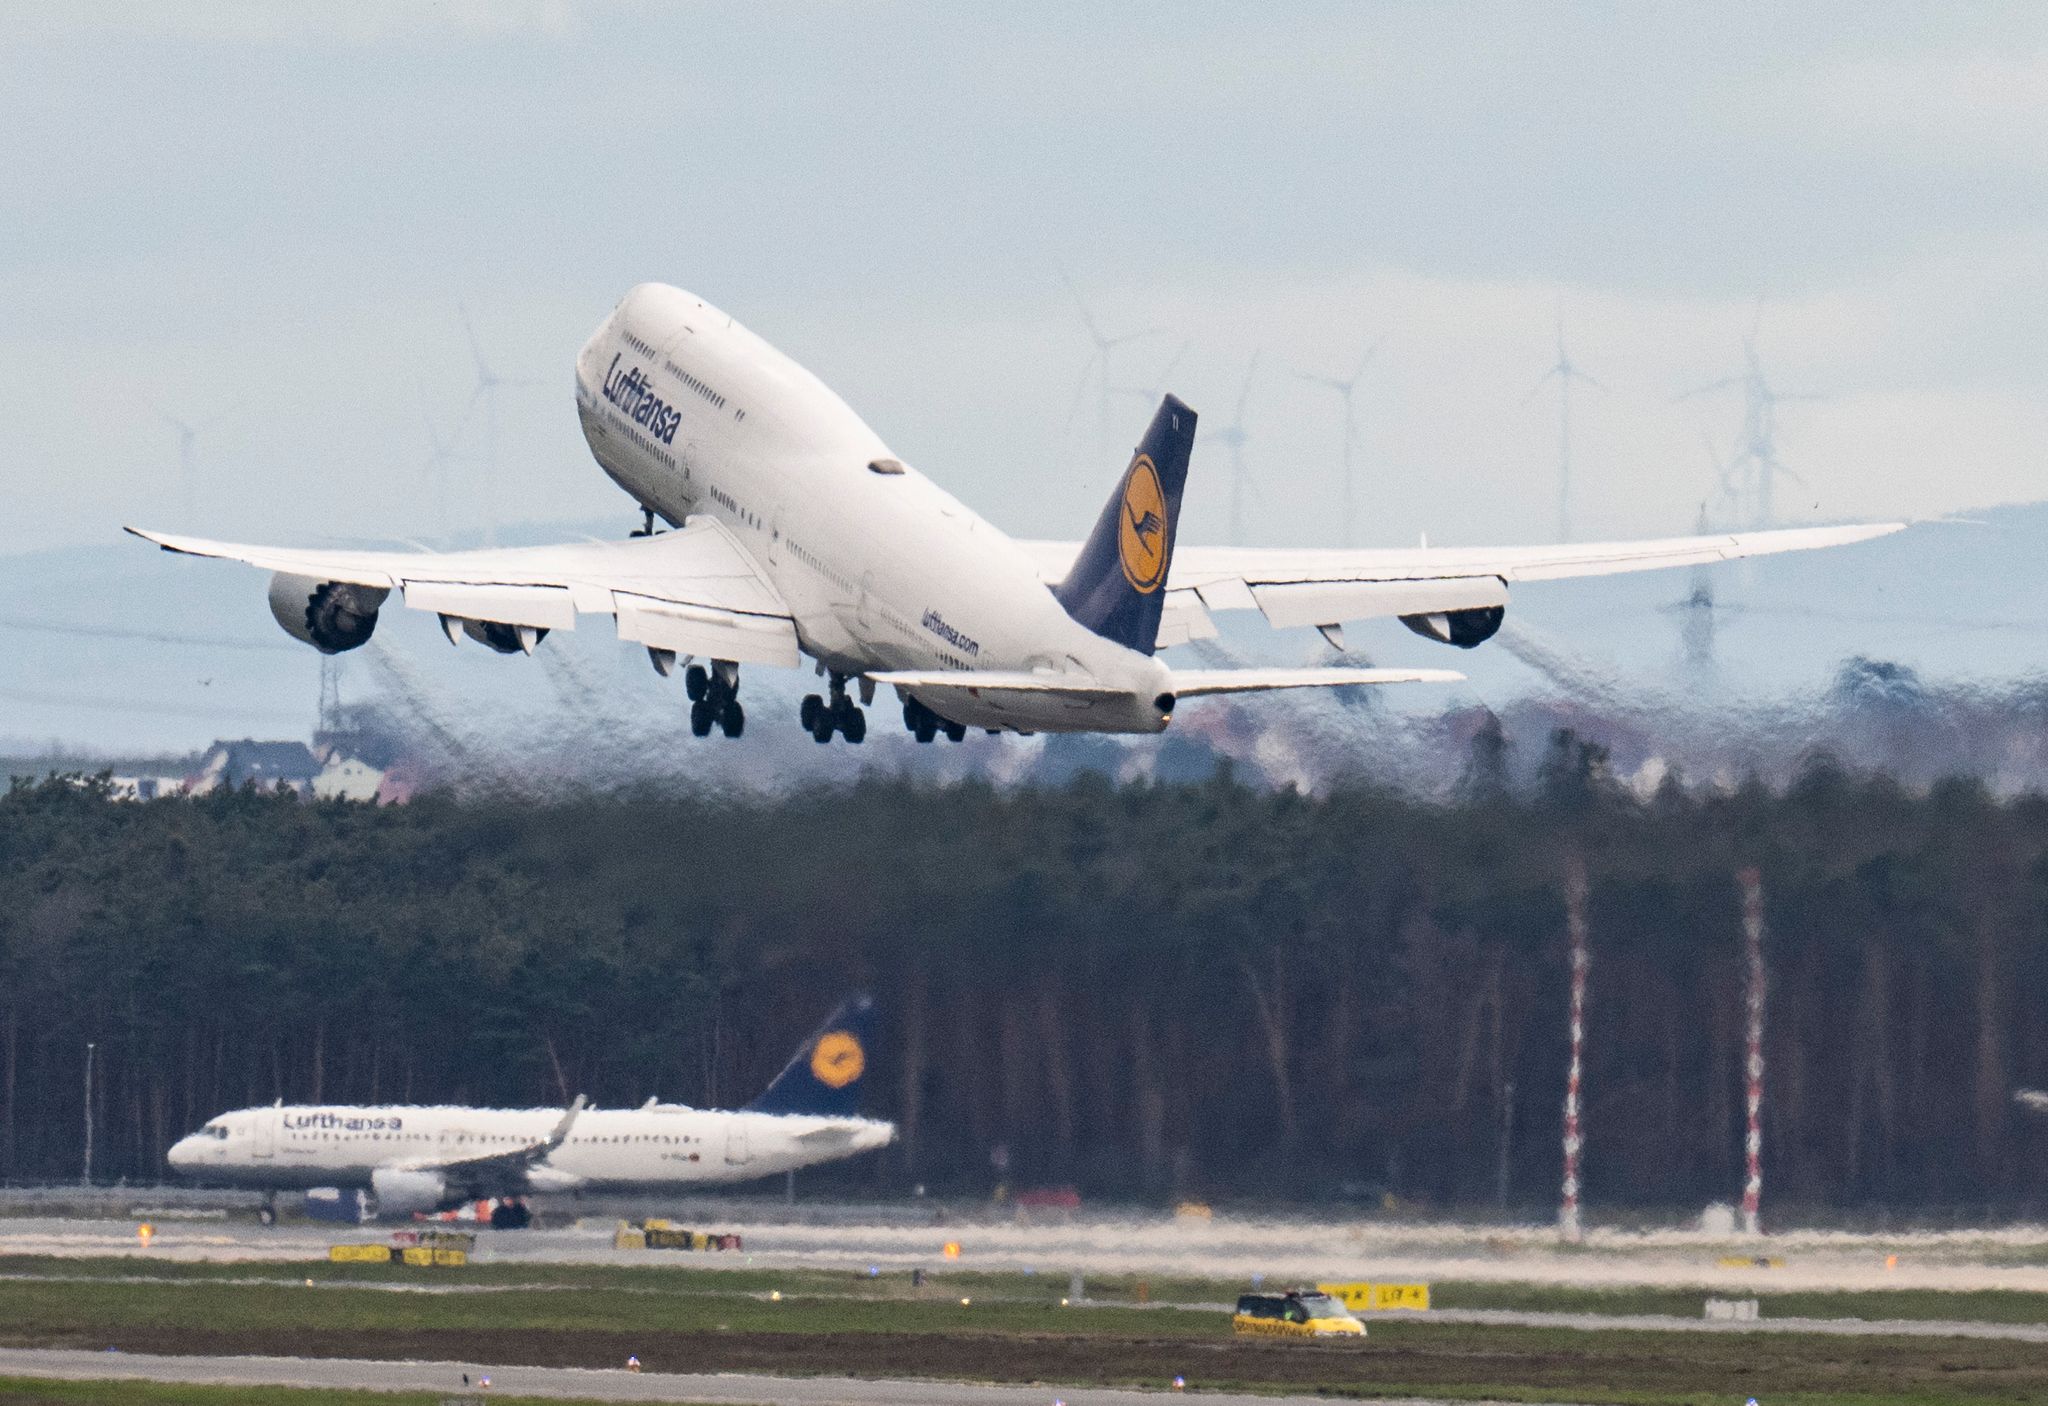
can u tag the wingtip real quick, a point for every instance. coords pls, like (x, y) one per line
(158, 539)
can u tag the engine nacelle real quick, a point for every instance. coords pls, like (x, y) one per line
(329, 615)
(1463, 628)
(506, 639)
(401, 1191)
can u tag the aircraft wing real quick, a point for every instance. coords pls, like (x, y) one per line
(507, 1167)
(1325, 586)
(691, 591)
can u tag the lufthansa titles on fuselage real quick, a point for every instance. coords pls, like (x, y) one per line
(633, 392)
(936, 623)
(344, 1122)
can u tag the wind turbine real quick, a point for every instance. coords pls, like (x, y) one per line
(1752, 478)
(1096, 368)
(1232, 437)
(1347, 387)
(1150, 395)
(1564, 371)
(434, 468)
(188, 458)
(488, 384)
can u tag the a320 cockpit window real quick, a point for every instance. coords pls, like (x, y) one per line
(886, 466)
(214, 1130)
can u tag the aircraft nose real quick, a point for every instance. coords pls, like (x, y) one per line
(184, 1152)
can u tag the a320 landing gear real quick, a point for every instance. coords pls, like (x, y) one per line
(714, 698)
(510, 1215)
(841, 715)
(924, 724)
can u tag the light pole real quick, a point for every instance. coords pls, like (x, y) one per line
(85, 1179)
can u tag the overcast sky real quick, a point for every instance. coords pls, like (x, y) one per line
(263, 218)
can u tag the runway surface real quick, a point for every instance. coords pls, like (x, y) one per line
(723, 1389)
(1279, 1250)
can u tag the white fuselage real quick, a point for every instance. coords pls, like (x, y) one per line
(290, 1146)
(694, 415)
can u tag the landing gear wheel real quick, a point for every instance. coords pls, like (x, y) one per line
(700, 718)
(956, 732)
(732, 718)
(266, 1214)
(808, 713)
(696, 682)
(855, 727)
(822, 726)
(927, 728)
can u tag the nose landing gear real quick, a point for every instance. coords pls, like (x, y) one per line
(714, 698)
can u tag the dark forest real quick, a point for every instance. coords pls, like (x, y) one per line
(1144, 991)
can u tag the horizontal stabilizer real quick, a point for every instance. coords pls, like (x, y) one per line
(1016, 681)
(1194, 683)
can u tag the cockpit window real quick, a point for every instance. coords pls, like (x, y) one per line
(886, 466)
(214, 1130)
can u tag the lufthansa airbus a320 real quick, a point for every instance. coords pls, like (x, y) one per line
(793, 531)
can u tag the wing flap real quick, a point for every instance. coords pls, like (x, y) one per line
(544, 607)
(1183, 618)
(712, 632)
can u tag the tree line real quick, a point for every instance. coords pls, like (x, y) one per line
(1145, 991)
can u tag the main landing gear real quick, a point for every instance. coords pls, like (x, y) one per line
(841, 715)
(266, 1214)
(510, 1215)
(924, 724)
(715, 698)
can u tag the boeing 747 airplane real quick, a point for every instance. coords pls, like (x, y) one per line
(427, 1159)
(796, 531)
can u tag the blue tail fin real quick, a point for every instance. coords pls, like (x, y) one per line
(1117, 585)
(825, 1077)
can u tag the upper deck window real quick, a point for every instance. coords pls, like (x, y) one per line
(886, 466)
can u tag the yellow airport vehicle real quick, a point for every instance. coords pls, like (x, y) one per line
(359, 1254)
(1379, 1298)
(1297, 1314)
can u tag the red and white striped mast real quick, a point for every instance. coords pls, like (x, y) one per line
(1753, 1064)
(1581, 958)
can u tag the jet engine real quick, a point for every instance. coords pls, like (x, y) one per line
(1464, 628)
(506, 639)
(329, 615)
(401, 1190)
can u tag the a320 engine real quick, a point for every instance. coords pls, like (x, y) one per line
(329, 615)
(402, 1189)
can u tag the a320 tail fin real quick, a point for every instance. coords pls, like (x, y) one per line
(825, 1076)
(1117, 585)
